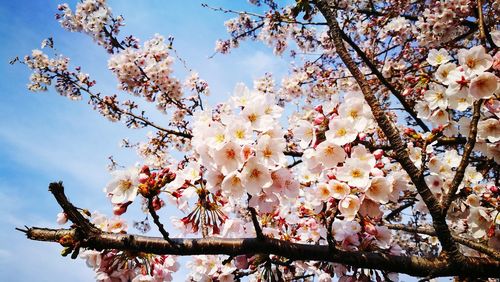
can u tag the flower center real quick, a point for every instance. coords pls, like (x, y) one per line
(255, 173)
(125, 184)
(230, 154)
(356, 173)
(341, 132)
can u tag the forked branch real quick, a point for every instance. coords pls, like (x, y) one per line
(92, 238)
(391, 131)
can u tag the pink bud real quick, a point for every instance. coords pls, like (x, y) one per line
(62, 218)
(347, 148)
(241, 262)
(494, 189)
(319, 119)
(370, 229)
(379, 165)
(145, 169)
(319, 109)
(379, 153)
(120, 208)
(143, 178)
(409, 131)
(362, 136)
(376, 172)
(331, 176)
(158, 203)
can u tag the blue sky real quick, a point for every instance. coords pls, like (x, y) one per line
(45, 137)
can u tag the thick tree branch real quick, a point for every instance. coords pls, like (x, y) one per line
(392, 133)
(412, 265)
(459, 174)
(57, 190)
(88, 236)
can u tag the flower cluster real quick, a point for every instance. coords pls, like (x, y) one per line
(332, 175)
(92, 17)
(46, 70)
(209, 268)
(456, 88)
(115, 265)
(242, 151)
(148, 72)
(440, 22)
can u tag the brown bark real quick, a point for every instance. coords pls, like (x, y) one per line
(85, 235)
(390, 130)
(411, 265)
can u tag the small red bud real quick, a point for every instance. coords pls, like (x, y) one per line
(362, 136)
(347, 148)
(145, 170)
(120, 208)
(409, 131)
(494, 189)
(331, 176)
(379, 153)
(319, 119)
(319, 109)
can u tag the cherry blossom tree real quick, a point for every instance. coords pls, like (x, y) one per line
(376, 155)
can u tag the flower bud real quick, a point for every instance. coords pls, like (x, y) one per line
(319, 109)
(370, 229)
(494, 189)
(331, 176)
(378, 154)
(62, 218)
(362, 136)
(143, 178)
(120, 209)
(241, 262)
(318, 120)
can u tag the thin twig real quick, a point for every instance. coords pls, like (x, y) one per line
(256, 224)
(156, 220)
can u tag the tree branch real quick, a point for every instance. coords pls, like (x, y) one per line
(459, 175)
(144, 120)
(156, 220)
(256, 225)
(392, 133)
(57, 190)
(411, 265)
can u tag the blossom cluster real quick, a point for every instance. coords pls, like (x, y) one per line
(46, 70)
(439, 23)
(330, 175)
(241, 150)
(147, 71)
(92, 17)
(455, 88)
(114, 265)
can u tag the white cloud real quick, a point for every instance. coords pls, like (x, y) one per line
(258, 63)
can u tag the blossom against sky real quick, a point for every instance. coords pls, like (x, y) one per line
(45, 137)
